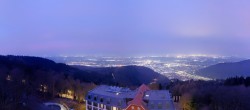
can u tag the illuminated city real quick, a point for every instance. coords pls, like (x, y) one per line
(173, 66)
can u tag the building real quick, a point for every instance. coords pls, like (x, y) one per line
(116, 98)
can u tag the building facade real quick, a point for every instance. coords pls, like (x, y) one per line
(116, 98)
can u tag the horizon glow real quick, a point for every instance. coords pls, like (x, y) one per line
(142, 27)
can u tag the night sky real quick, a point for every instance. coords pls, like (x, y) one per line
(125, 27)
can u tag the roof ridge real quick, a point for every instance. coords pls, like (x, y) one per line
(138, 99)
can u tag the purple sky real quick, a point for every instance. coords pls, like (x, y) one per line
(125, 27)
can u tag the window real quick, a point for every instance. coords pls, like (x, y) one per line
(95, 98)
(108, 107)
(89, 103)
(133, 108)
(138, 108)
(101, 106)
(89, 107)
(101, 99)
(89, 97)
(167, 105)
(152, 105)
(114, 108)
(119, 102)
(108, 100)
(95, 104)
(159, 105)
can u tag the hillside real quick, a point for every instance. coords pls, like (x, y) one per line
(225, 70)
(126, 75)
(35, 67)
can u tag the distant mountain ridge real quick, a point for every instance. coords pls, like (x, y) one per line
(226, 70)
(125, 76)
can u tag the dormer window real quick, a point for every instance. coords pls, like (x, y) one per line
(138, 108)
(159, 105)
(119, 102)
(108, 100)
(101, 99)
(95, 98)
(89, 97)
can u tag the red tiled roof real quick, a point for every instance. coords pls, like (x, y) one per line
(138, 99)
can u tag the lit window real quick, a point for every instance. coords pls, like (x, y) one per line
(43, 88)
(23, 81)
(114, 108)
(133, 108)
(101, 106)
(8, 78)
(69, 91)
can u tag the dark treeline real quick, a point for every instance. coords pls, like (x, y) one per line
(228, 94)
(25, 80)
(233, 81)
(18, 89)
